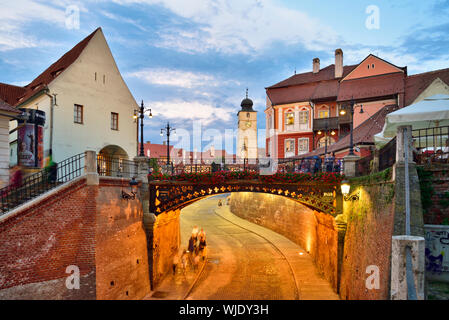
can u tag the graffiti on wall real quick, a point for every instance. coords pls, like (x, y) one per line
(437, 249)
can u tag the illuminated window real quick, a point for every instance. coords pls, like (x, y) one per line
(290, 118)
(114, 121)
(289, 147)
(323, 114)
(322, 142)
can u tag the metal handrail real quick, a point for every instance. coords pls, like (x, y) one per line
(116, 167)
(411, 289)
(40, 182)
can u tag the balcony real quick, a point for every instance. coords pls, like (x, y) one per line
(345, 119)
(320, 124)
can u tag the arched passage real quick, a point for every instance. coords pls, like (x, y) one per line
(111, 160)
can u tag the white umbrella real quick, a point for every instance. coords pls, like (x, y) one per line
(428, 113)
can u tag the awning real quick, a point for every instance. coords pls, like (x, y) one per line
(428, 113)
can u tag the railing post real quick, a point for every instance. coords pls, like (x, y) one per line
(350, 167)
(399, 288)
(90, 168)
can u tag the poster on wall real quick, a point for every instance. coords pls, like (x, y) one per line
(30, 139)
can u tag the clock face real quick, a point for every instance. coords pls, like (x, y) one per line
(248, 124)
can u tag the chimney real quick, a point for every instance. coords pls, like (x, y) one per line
(212, 151)
(338, 63)
(164, 143)
(316, 65)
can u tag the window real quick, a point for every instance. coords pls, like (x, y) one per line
(303, 145)
(114, 121)
(78, 114)
(290, 118)
(323, 114)
(322, 142)
(304, 117)
(289, 147)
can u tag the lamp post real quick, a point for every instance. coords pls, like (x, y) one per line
(351, 125)
(168, 130)
(141, 115)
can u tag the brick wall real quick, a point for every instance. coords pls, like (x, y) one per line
(438, 212)
(39, 242)
(370, 222)
(313, 231)
(87, 226)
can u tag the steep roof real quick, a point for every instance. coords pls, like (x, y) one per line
(10, 93)
(52, 72)
(363, 134)
(416, 84)
(158, 150)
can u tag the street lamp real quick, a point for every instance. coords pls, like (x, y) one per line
(345, 188)
(351, 140)
(141, 114)
(168, 130)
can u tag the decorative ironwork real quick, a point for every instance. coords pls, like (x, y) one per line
(171, 195)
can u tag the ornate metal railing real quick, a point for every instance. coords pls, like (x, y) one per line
(116, 167)
(171, 195)
(40, 182)
(311, 165)
(364, 165)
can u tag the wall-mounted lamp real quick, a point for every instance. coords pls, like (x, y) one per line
(345, 188)
(133, 184)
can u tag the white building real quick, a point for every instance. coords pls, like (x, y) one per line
(6, 114)
(88, 105)
(247, 131)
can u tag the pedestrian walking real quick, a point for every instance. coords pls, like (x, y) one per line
(195, 233)
(202, 245)
(175, 262)
(184, 261)
(196, 262)
(220, 203)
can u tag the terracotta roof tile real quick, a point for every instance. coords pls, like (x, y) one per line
(378, 86)
(10, 93)
(363, 134)
(327, 73)
(416, 84)
(52, 72)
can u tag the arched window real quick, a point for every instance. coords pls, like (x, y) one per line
(323, 112)
(289, 120)
(322, 142)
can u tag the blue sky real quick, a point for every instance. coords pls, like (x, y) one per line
(193, 60)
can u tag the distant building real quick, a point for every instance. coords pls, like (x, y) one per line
(304, 112)
(87, 104)
(159, 152)
(247, 131)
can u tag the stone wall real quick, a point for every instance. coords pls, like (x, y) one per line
(165, 244)
(89, 226)
(315, 232)
(121, 248)
(370, 222)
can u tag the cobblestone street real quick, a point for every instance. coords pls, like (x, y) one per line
(244, 262)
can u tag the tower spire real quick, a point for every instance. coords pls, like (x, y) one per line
(246, 93)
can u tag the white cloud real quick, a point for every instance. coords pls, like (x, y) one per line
(115, 17)
(14, 15)
(240, 26)
(181, 110)
(176, 78)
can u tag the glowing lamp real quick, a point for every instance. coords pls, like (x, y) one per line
(345, 187)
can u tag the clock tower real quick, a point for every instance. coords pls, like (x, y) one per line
(247, 132)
